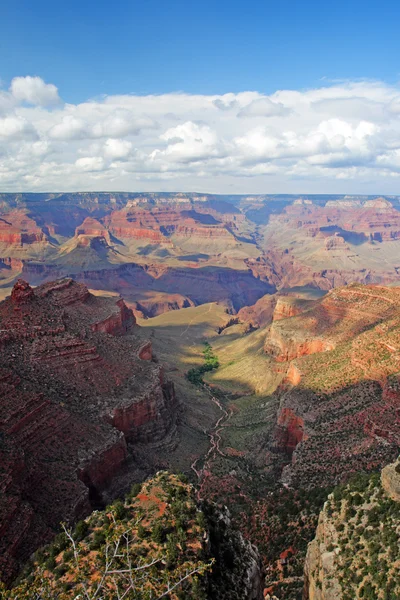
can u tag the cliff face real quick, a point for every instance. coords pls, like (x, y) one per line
(358, 530)
(339, 396)
(374, 220)
(75, 384)
(16, 228)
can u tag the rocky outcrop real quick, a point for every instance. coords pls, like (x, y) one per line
(92, 227)
(159, 304)
(284, 348)
(145, 351)
(321, 581)
(260, 314)
(239, 574)
(390, 479)
(119, 322)
(289, 431)
(340, 560)
(74, 389)
(210, 560)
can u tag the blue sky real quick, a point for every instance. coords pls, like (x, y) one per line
(214, 96)
(88, 48)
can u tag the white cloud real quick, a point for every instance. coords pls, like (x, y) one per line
(34, 91)
(264, 107)
(117, 149)
(16, 128)
(189, 142)
(343, 137)
(90, 163)
(69, 128)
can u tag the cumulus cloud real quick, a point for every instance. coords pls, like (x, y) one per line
(117, 149)
(264, 107)
(90, 163)
(337, 138)
(69, 128)
(16, 128)
(34, 91)
(189, 142)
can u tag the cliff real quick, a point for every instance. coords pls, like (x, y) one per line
(339, 394)
(160, 539)
(76, 385)
(356, 550)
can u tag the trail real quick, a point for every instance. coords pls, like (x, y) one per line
(215, 440)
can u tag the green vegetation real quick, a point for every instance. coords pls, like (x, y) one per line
(150, 546)
(366, 540)
(211, 363)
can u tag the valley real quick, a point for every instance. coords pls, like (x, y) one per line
(112, 301)
(168, 251)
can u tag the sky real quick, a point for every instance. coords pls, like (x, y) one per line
(215, 96)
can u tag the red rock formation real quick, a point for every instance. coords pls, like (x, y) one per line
(293, 375)
(92, 227)
(146, 351)
(348, 399)
(289, 431)
(287, 307)
(117, 323)
(16, 228)
(260, 314)
(69, 392)
(21, 293)
(158, 223)
(285, 349)
(375, 219)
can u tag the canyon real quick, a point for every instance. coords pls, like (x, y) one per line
(109, 300)
(167, 251)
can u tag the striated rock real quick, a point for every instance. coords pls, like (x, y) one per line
(346, 400)
(73, 390)
(92, 227)
(287, 307)
(284, 348)
(119, 322)
(17, 228)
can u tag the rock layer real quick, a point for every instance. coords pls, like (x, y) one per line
(74, 389)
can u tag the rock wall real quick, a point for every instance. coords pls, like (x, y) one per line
(359, 522)
(74, 389)
(390, 479)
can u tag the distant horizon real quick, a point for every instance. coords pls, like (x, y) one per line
(200, 193)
